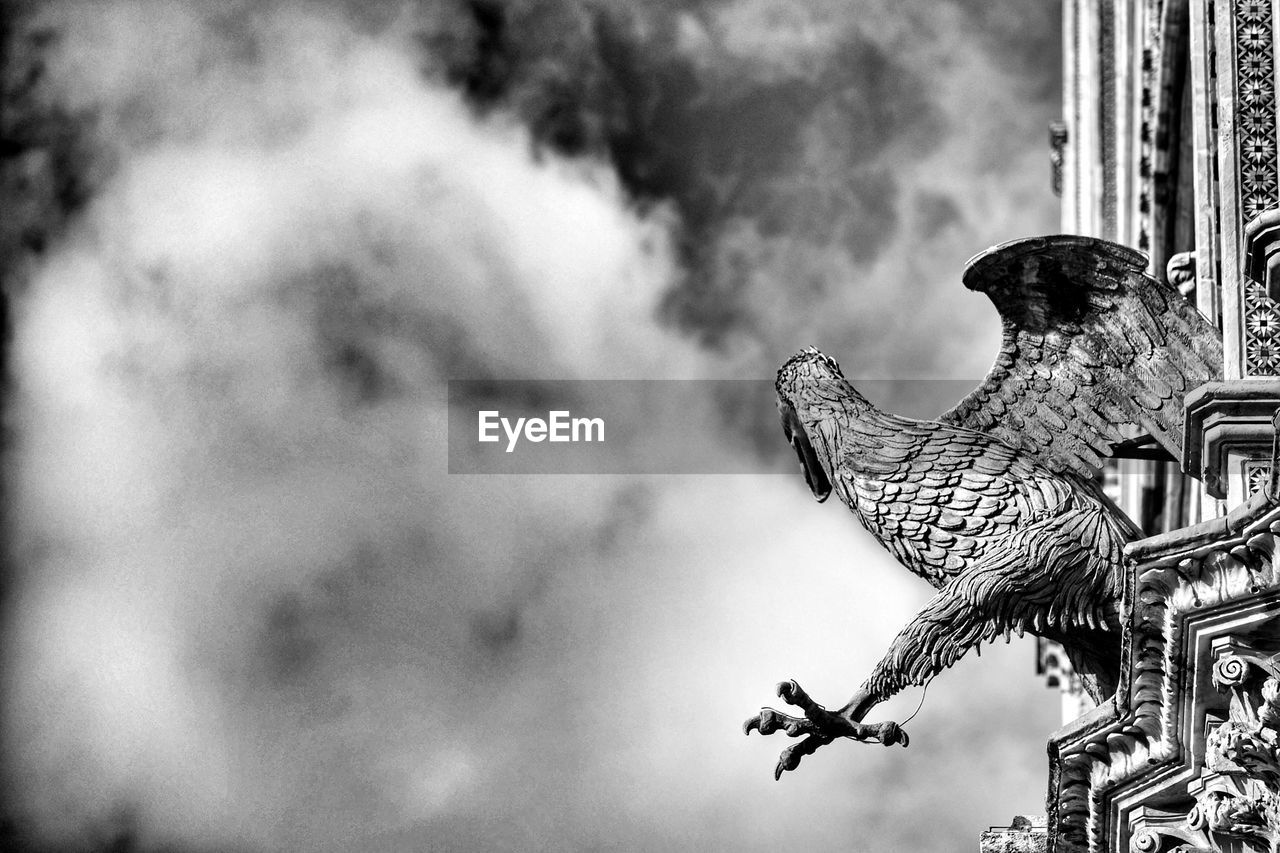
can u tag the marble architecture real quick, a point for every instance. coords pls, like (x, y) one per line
(1168, 144)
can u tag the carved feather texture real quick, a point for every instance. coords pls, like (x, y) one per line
(941, 498)
(1089, 342)
(1053, 577)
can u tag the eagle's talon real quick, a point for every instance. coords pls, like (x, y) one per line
(788, 760)
(793, 694)
(790, 757)
(890, 733)
(769, 721)
(819, 725)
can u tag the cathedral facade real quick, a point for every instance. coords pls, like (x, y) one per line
(1168, 144)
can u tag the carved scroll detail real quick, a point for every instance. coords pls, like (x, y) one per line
(1240, 783)
(1233, 788)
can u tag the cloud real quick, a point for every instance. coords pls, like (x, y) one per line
(803, 145)
(249, 608)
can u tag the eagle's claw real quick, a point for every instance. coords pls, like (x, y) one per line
(891, 733)
(819, 726)
(793, 694)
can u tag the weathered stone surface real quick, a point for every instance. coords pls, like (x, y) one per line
(1184, 758)
(1024, 835)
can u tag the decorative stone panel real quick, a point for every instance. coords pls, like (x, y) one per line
(1183, 758)
(1259, 183)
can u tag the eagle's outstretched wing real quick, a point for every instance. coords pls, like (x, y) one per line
(1090, 341)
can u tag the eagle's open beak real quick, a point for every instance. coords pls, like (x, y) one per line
(814, 476)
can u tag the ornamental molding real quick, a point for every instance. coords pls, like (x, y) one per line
(1233, 419)
(1183, 758)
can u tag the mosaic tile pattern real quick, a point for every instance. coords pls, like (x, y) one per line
(1259, 183)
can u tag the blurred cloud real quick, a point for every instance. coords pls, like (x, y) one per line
(249, 610)
(806, 148)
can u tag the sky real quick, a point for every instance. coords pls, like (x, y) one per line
(247, 607)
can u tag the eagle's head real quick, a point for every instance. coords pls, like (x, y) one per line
(810, 389)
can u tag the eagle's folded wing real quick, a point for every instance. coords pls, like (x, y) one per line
(1090, 342)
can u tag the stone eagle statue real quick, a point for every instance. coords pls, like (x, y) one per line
(996, 503)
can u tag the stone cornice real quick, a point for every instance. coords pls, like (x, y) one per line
(1187, 588)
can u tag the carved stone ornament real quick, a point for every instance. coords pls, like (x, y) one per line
(996, 503)
(1186, 757)
(1259, 180)
(1181, 272)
